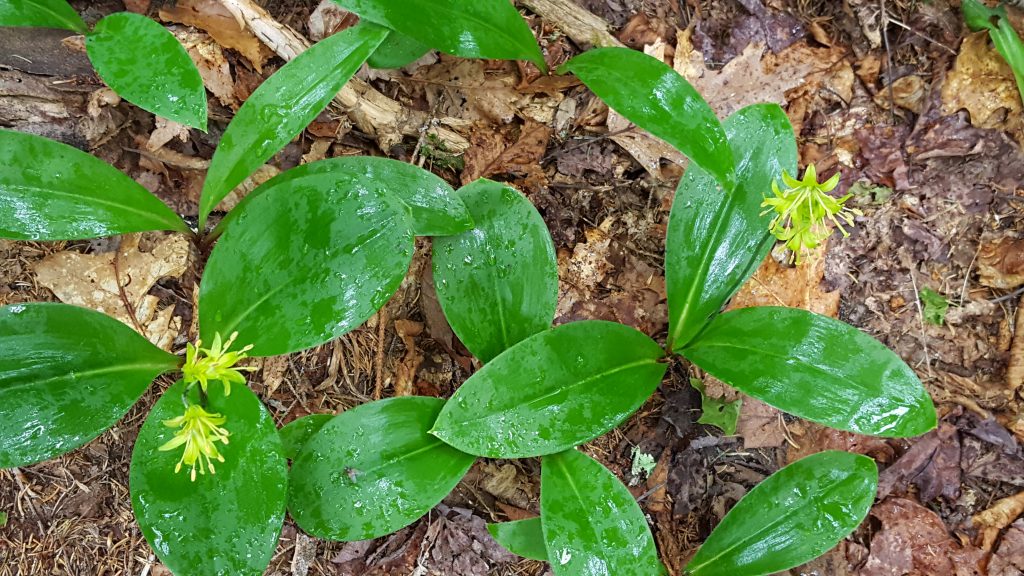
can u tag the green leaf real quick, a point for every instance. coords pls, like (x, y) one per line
(41, 14)
(147, 66)
(522, 537)
(1004, 36)
(554, 390)
(282, 107)
(478, 29)
(223, 524)
(715, 412)
(374, 469)
(66, 375)
(51, 191)
(592, 525)
(717, 239)
(816, 368)
(397, 51)
(305, 260)
(656, 98)
(497, 283)
(794, 516)
(296, 433)
(935, 306)
(435, 207)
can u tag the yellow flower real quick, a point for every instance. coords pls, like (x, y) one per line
(199, 430)
(215, 363)
(804, 210)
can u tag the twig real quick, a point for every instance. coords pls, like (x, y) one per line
(378, 361)
(1009, 296)
(920, 317)
(124, 295)
(888, 62)
(583, 27)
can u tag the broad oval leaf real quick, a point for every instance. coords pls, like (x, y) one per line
(223, 524)
(497, 283)
(716, 239)
(592, 525)
(282, 106)
(397, 51)
(147, 66)
(478, 29)
(522, 537)
(374, 469)
(792, 517)
(296, 433)
(650, 94)
(66, 375)
(554, 390)
(51, 191)
(306, 260)
(41, 14)
(435, 208)
(817, 368)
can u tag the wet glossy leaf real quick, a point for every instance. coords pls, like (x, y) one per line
(308, 258)
(817, 368)
(282, 107)
(397, 51)
(51, 191)
(478, 29)
(554, 390)
(223, 524)
(296, 433)
(522, 537)
(656, 98)
(794, 516)
(66, 375)
(434, 206)
(716, 239)
(497, 283)
(592, 525)
(42, 14)
(374, 469)
(147, 66)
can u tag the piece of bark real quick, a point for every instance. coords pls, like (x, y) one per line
(586, 29)
(370, 111)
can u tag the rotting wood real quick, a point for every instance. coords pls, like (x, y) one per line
(371, 111)
(582, 26)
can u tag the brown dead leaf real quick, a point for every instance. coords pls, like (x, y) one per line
(272, 372)
(580, 273)
(914, 541)
(932, 464)
(214, 18)
(165, 131)
(89, 280)
(488, 155)
(1001, 263)
(992, 521)
(457, 542)
(760, 425)
(754, 76)
(983, 83)
(505, 482)
(328, 18)
(1009, 557)
(212, 64)
(405, 372)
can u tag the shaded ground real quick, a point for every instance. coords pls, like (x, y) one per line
(936, 171)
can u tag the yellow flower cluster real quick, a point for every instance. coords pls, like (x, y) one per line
(215, 363)
(805, 213)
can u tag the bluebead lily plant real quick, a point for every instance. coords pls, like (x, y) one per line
(315, 251)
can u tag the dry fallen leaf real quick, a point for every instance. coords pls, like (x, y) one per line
(488, 155)
(1001, 263)
(212, 64)
(983, 83)
(165, 131)
(214, 18)
(89, 280)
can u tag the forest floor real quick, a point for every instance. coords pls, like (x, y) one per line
(921, 117)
